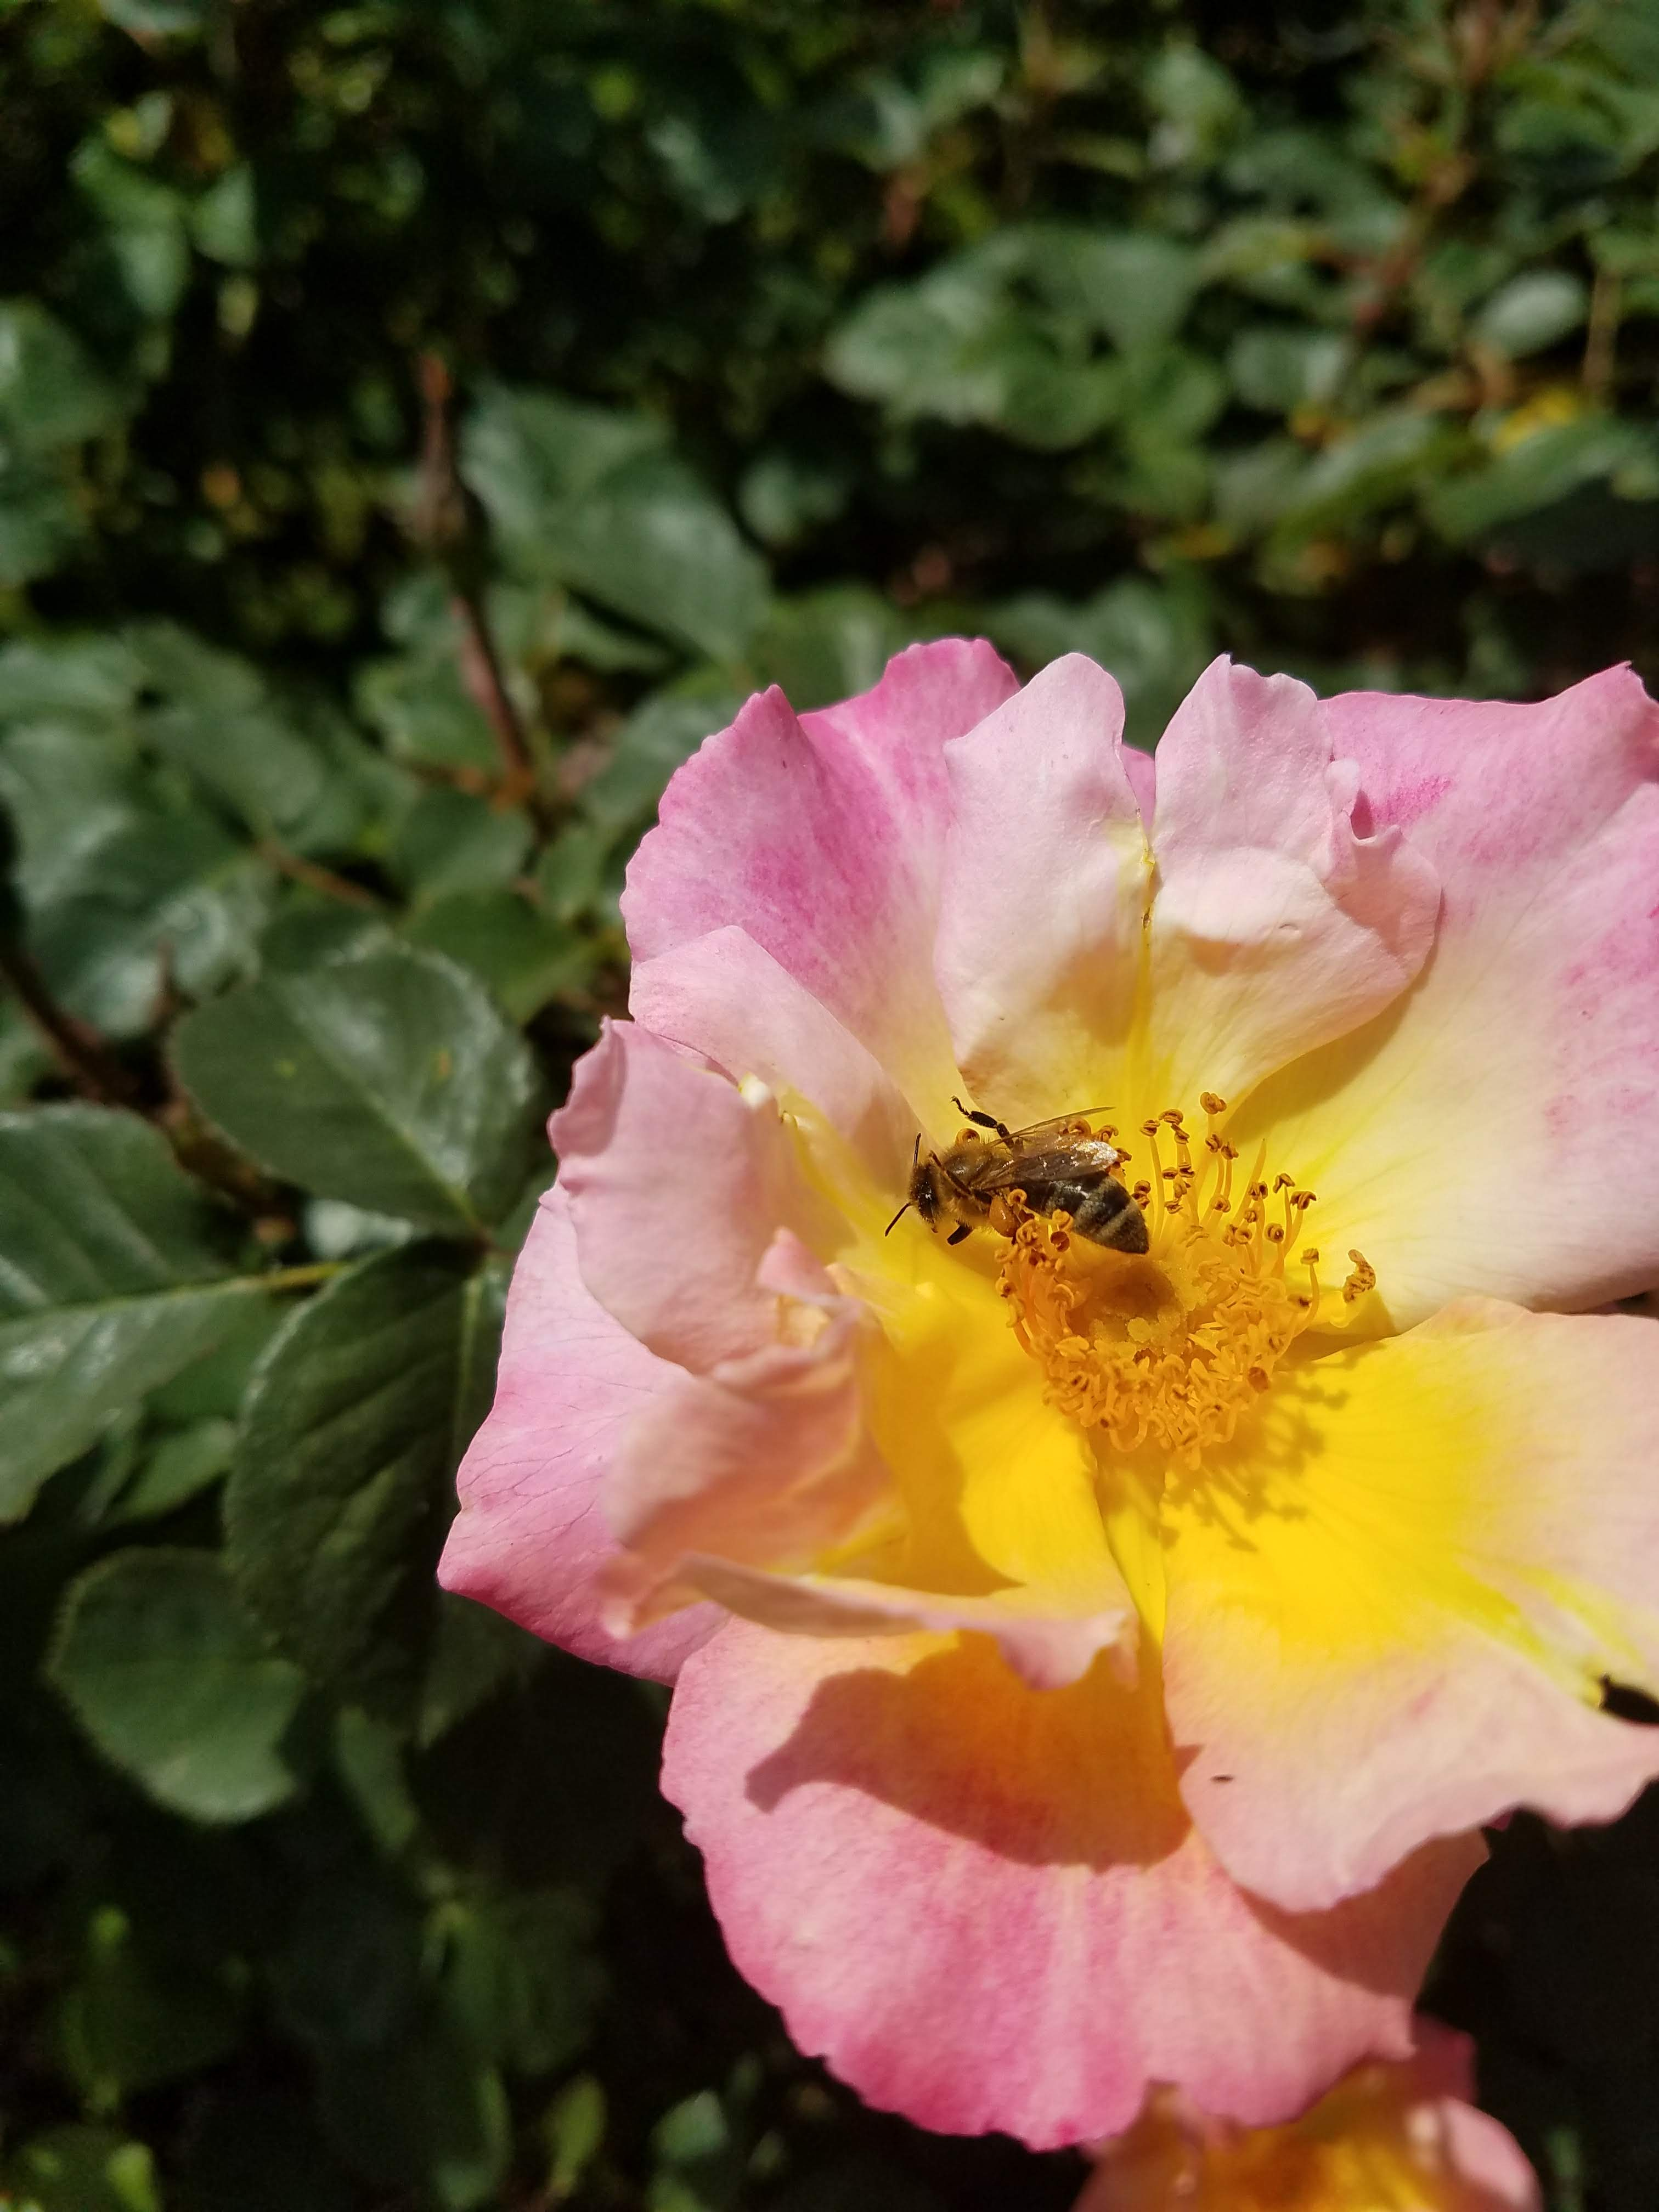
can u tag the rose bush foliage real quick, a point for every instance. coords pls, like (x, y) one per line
(779, 339)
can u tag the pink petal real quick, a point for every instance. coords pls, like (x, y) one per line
(1047, 875)
(1390, 1616)
(676, 1183)
(1284, 917)
(823, 839)
(1049, 1638)
(1142, 771)
(764, 1461)
(984, 1906)
(721, 995)
(1497, 1137)
(530, 1538)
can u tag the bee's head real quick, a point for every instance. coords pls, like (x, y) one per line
(922, 1191)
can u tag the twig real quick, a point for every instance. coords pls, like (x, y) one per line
(84, 1056)
(445, 524)
(315, 877)
(1601, 338)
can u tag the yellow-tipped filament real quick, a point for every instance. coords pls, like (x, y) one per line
(1171, 1348)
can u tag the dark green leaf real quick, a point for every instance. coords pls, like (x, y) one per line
(341, 1488)
(521, 1976)
(524, 956)
(450, 842)
(114, 1278)
(50, 393)
(176, 1684)
(431, 2113)
(384, 1078)
(589, 498)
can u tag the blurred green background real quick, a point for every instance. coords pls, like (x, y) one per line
(421, 423)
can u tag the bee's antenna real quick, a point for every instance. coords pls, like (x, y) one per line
(915, 1155)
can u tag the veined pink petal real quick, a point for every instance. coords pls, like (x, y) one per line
(1395, 1621)
(722, 996)
(983, 1904)
(530, 1535)
(763, 1461)
(1284, 917)
(822, 838)
(676, 1183)
(1049, 1638)
(1047, 875)
(1494, 1134)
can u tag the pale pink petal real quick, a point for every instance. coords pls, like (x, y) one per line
(823, 839)
(764, 1461)
(1284, 917)
(530, 1536)
(723, 997)
(1391, 1613)
(1046, 877)
(1142, 771)
(676, 1183)
(1497, 1135)
(1049, 1638)
(983, 1905)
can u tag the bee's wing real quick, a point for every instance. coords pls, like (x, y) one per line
(1021, 1171)
(1041, 1133)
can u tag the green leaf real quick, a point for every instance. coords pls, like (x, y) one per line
(124, 885)
(349, 1974)
(828, 644)
(1536, 473)
(176, 1684)
(224, 221)
(1532, 312)
(114, 1278)
(524, 956)
(144, 222)
(51, 393)
(431, 2113)
(449, 841)
(384, 1078)
(520, 1975)
(589, 498)
(80, 2169)
(420, 706)
(656, 737)
(181, 1466)
(90, 674)
(340, 1490)
(1154, 639)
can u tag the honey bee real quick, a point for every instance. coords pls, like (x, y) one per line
(1058, 1165)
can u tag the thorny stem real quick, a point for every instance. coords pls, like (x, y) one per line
(83, 1055)
(444, 524)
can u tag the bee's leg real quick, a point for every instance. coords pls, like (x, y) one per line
(957, 1235)
(986, 1121)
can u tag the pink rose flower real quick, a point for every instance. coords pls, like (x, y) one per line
(1092, 1663)
(1391, 2138)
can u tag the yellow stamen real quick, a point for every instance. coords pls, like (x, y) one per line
(1171, 1348)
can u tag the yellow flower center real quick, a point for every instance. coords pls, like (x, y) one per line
(1170, 1347)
